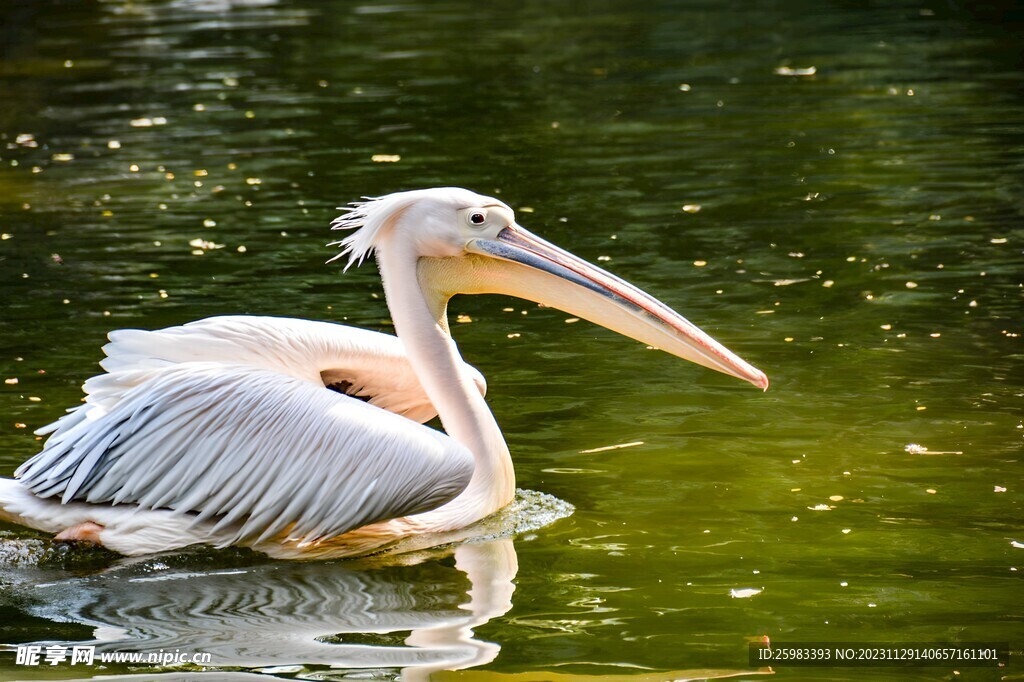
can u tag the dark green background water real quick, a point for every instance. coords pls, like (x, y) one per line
(862, 236)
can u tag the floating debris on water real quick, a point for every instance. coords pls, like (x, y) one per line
(148, 122)
(917, 449)
(204, 245)
(691, 208)
(386, 158)
(789, 71)
(606, 448)
(572, 470)
(745, 592)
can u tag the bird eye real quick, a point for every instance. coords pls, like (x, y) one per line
(477, 218)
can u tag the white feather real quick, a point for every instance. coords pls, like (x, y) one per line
(284, 437)
(372, 217)
(376, 364)
(226, 422)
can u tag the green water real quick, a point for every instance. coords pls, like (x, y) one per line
(856, 233)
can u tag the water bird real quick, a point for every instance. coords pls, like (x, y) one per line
(225, 431)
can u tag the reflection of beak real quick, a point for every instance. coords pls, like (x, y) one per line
(558, 279)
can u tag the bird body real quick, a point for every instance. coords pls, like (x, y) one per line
(223, 431)
(229, 415)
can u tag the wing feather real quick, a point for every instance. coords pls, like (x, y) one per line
(372, 365)
(251, 449)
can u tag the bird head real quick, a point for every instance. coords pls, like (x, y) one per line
(437, 222)
(469, 243)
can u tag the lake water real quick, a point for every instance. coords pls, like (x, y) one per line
(855, 232)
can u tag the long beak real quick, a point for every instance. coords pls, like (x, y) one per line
(556, 278)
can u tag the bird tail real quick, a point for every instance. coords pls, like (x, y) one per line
(19, 506)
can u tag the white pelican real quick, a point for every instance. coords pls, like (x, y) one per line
(223, 432)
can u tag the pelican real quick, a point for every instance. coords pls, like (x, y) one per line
(223, 431)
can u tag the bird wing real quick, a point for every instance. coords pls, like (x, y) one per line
(250, 449)
(358, 362)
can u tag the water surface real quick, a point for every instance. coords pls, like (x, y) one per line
(856, 233)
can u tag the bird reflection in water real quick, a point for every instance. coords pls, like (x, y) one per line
(291, 616)
(409, 616)
(407, 611)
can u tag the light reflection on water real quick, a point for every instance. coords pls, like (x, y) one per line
(820, 198)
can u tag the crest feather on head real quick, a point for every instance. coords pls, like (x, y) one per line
(367, 220)
(372, 215)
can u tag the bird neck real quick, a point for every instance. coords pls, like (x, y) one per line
(419, 311)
